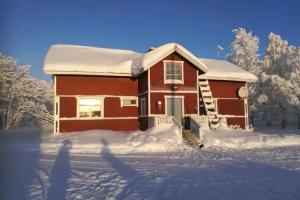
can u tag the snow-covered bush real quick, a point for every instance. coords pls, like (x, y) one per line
(24, 101)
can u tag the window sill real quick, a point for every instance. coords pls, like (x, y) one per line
(173, 82)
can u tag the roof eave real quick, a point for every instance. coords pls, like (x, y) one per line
(230, 79)
(193, 61)
(54, 72)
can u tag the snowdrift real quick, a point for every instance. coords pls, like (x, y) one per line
(230, 138)
(161, 138)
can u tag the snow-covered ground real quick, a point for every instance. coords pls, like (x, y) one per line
(152, 165)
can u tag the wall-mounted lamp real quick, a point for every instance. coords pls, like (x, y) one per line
(159, 105)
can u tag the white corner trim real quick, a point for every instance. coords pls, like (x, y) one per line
(198, 90)
(56, 107)
(149, 93)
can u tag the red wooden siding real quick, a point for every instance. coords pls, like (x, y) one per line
(112, 108)
(189, 70)
(231, 107)
(96, 85)
(225, 89)
(107, 124)
(236, 121)
(190, 102)
(68, 106)
(143, 82)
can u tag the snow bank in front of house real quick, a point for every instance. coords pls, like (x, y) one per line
(230, 138)
(161, 138)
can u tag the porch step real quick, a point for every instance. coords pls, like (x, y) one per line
(189, 138)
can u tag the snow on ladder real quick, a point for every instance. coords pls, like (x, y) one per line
(209, 103)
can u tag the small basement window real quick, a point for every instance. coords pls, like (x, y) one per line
(173, 72)
(129, 101)
(90, 107)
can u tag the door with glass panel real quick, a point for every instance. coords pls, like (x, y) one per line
(174, 108)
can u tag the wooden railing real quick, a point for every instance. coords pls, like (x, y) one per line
(163, 120)
(156, 120)
(201, 120)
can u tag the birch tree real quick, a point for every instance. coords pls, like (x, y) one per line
(22, 96)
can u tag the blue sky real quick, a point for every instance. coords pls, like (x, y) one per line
(29, 27)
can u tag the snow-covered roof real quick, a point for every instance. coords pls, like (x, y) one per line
(84, 60)
(157, 54)
(73, 59)
(224, 70)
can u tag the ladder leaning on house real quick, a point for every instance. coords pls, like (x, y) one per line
(209, 103)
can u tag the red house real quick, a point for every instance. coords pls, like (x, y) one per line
(98, 88)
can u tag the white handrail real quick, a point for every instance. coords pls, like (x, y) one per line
(201, 120)
(179, 127)
(163, 120)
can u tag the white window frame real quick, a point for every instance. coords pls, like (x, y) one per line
(143, 108)
(90, 97)
(129, 98)
(165, 74)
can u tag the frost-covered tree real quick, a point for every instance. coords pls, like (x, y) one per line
(23, 100)
(244, 50)
(283, 66)
(275, 96)
(244, 53)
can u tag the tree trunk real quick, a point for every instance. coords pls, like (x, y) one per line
(283, 123)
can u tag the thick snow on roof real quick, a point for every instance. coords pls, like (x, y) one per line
(73, 59)
(152, 57)
(224, 70)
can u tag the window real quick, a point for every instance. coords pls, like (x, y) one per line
(128, 101)
(173, 71)
(90, 107)
(143, 106)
